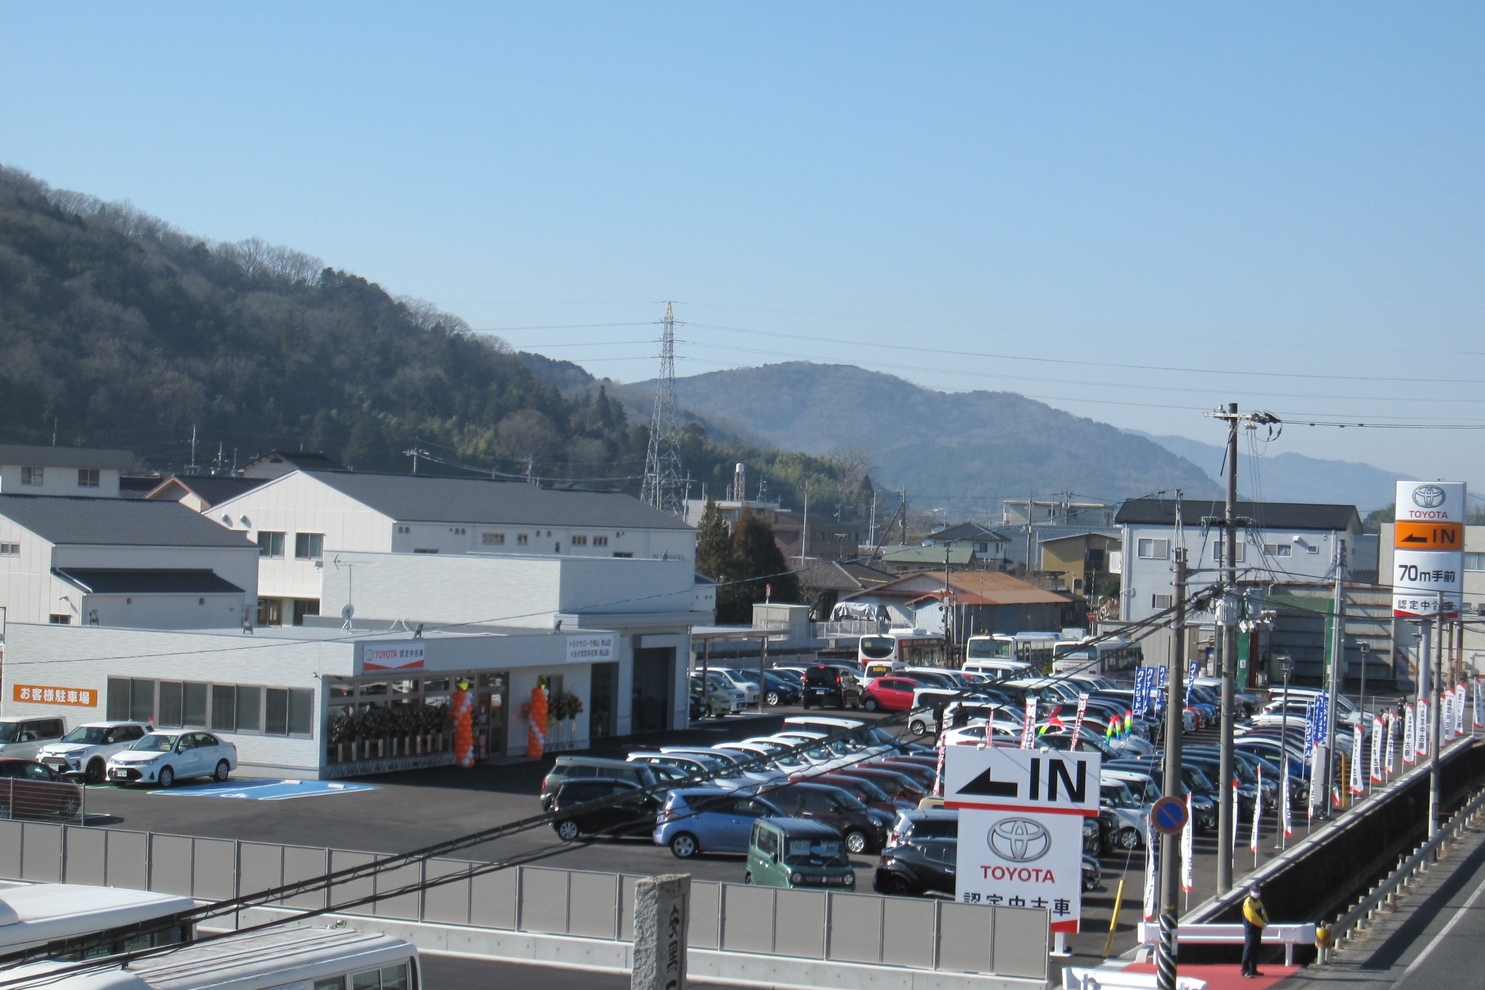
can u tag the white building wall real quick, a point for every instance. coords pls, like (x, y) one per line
(25, 577)
(59, 481)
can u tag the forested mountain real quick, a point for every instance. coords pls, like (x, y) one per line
(120, 331)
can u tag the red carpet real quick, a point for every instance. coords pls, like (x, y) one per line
(1224, 976)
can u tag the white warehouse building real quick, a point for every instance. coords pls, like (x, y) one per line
(302, 520)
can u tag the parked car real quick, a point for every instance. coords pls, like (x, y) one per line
(21, 738)
(796, 852)
(924, 823)
(87, 747)
(741, 761)
(691, 767)
(741, 683)
(720, 682)
(696, 820)
(864, 829)
(865, 791)
(897, 786)
(165, 757)
(778, 689)
(708, 701)
(571, 765)
(828, 685)
(889, 694)
(922, 866)
(34, 790)
(1092, 874)
(633, 814)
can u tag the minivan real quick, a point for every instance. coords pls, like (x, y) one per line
(828, 685)
(865, 829)
(639, 774)
(796, 852)
(21, 738)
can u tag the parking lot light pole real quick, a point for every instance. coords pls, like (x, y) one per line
(1170, 848)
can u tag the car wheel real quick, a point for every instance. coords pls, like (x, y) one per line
(167, 777)
(773, 699)
(567, 830)
(894, 885)
(684, 846)
(1129, 838)
(69, 807)
(856, 841)
(917, 728)
(224, 770)
(870, 704)
(94, 773)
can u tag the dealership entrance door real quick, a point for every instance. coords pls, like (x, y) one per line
(654, 676)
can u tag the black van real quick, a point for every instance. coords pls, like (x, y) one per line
(626, 816)
(825, 685)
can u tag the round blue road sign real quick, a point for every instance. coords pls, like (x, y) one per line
(1168, 815)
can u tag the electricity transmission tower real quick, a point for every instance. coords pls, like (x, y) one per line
(662, 486)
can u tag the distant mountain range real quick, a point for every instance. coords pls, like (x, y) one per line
(1291, 477)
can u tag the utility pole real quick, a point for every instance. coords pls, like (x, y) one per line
(904, 515)
(1433, 721)
(1170, 845)
(804, 535)
(872, 531)
(1337, 672)
(1226, 812)
(661, 487)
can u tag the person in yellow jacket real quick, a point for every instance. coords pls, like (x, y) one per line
(1255, 920)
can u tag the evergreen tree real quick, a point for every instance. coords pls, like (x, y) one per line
(756, 563)
(713, 544)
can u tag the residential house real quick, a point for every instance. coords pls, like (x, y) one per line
(1083, 562)
(828, 539)
(988, 544)
(200, 493)
(981, 602)
(84, 472)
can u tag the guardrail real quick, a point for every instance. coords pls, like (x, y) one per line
(850, 627)
(827, 926)
(1289, 935)
(1408, 869)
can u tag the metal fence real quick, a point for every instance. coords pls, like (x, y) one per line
(920, 934)
(28, 797)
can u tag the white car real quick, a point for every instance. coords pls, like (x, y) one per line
(165, 757)
(22, 738)
(88, 747)
(718, 681)
(747, 687)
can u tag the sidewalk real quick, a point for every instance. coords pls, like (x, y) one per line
(1224, 976)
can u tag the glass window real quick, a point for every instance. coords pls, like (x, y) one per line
(331, 983)
(170, 704)
(1153, 549)
(87, 477)
(270, 544)
(492, 539)
(521, 539)
(301, 712)
(1474, 561)
(366, 981)
(249, 702)
(309, 546)
(33, 476)
(118, 699)
(394, 977)
(223, 707)
(1217, 551)
(141, 700)
(276, 712)
(193, 704)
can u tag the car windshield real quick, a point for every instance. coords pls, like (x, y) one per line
(1116, 796)
(1199, 779)
(156, 742)
(90, 734)
(815, 852)
(869, 789)
(877, 647)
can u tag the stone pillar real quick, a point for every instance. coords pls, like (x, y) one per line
(662, 914)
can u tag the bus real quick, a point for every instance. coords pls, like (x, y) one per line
(1035, 648)
(1115, 656)
(42, 915)
(899, 648)
(298, 958)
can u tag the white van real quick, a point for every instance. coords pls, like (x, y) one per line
(22, 738)
(999, 670)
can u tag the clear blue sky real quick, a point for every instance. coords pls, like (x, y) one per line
(1281, 189)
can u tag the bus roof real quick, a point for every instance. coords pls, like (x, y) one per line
(44, 912)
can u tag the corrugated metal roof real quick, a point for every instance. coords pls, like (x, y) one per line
(1270, 515)
(415, 498)
(141, 581)
(957, 556)
(66, 457)
(974, 587)
(127, 522)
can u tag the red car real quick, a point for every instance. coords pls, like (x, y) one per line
(34, 790)
(889, 694)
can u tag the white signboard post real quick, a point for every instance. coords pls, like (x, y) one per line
(1021, 817)
(1428, 541)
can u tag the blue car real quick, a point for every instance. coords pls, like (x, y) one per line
(702, 819)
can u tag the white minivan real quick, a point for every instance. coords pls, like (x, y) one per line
(21, 738)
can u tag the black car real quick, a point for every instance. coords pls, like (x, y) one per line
(826, 685)
(1092, 874)
(915, 868)
(865, 828)
(631, 816)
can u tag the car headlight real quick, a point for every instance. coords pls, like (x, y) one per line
(796, 878)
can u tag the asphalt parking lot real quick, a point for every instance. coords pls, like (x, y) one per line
(406, 811)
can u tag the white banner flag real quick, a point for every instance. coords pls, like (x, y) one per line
(1317, 786)
(1078, 722)
(1151, 854)
(1479, 703)
(1028, 728)
(1410, 735)
(1420, 730)
(1378, 728)
(1356, 757)
(1285, 813)
(1461, 697)
(1446, 717)
(1188, 842)
(1392, 744)
(1257, 813)
(1237, 805)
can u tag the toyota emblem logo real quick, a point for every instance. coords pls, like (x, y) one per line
(1428, 496)
(1019, 840)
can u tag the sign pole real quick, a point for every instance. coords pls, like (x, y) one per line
(1170, 848)
(1433, 722)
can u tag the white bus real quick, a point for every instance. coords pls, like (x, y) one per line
(899, 648)
(1115, 656)
(277, 959)
(1035, 648)
(35, 916)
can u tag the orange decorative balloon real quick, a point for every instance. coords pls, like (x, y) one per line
(462, 713)
(536, 724)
